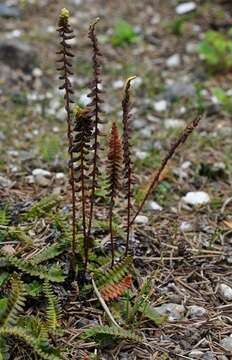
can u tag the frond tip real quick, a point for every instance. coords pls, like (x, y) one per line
(64, 13)
(114, 162)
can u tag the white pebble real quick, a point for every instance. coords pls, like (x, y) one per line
(174, 123)
(42, 172)
(141, 219)
(196, 198)
(173, 61)
(185, 7)
(153, 205)
(160, 105)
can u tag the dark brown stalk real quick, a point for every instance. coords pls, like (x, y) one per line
(180, 141)
(126, 106)
(114, 176)
(80, 150)
(95, 104)
(66, 33)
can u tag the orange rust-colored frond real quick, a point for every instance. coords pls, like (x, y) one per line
(114, 162)
(112, 291)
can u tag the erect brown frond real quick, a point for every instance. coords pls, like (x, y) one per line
(179, 141)
(114, 175)
(114, 162)
(95, 104)
(66, 33)
(113, 291)
(80, 151)
(126, 106)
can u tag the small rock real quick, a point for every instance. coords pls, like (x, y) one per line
(186, 227)
(2, 136)
(196, 354)
(9, 11)
(227, 343)
(196, 198)
(209, 356)
(18, 54)
(5, 182)
(84, 99)
(118, 84)
(141, 154)
(37, 72)
(174, 123)
(225, 291)
(195, 311)
(30, 179)
(60, 177)
(181, 88)
(160, 105)
(184, 8)
(191, 48)
(173, 61)
(141, 219)
(42, 177)
(174, 311)
(153, 205)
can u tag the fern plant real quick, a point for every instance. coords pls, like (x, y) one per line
(53, 307)
(83, 134)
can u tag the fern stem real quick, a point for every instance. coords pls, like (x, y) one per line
(111, 232)
(64, 33)
(96, 109)
(180, 141)
(127, 155)
(83, 202)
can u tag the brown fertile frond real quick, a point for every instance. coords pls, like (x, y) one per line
(66, 33)
(114, 162)
(80, 150)
(95, 104)
(113, 291)
(114, 176)
(126, 107)
(179, 141)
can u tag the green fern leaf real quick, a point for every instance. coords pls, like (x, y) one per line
(50, 252)
(54, 273)
(41, 208)
(148, 311)
(30, 341)
(112, 331)
(5, 217)
(16, 301)
(53, 307)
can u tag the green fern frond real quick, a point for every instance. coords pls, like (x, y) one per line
(30, 341)
(50, 252)
(112, 331)
(42, 207)
(16, 301)
(115, 274)
(53, 273)
(53, 307)
(5, 217)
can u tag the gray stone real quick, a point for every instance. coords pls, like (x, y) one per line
(2, 136)
(42, 177)
(174, 123)
(5, 182)
(195, 311)
(209, 356)
(196, 354)
(173, 61)
(227, 343)
(18, 54)
(9, 11)
(180, 88)
(225, 291)
(174, 311)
